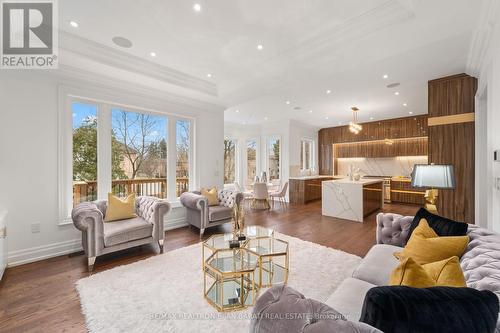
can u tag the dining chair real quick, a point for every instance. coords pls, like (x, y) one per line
(275, 185)
(260, 196)
(280, 195)
(247, 195)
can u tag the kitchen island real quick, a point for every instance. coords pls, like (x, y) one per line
(307, 188)
(350, 199)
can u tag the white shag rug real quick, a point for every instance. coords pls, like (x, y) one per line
(164, 293)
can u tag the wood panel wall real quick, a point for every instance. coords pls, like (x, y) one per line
(407, 127)
(453, 143)
(400, 147)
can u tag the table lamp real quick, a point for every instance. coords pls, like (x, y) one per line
(432, 177)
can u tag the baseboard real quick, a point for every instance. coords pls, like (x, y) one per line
(25, 256)
(20, 257)
(175, 223)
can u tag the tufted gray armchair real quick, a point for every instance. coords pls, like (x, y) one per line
(99, 237)
(393, 229)
(202, 216)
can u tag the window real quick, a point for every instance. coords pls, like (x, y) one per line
(183, 146)
(273, 158)
(84, 152)
(251, 160)
(105, 148)
(306, 154)
(138, 154)
(229, 161)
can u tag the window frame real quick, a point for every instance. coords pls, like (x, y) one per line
(236, 160)
(268, 139)
(68, 96)
(312, 156)
(257, 159)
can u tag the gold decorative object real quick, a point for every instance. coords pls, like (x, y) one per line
(238, 219)
(430, 200)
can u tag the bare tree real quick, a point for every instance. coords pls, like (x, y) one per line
(134, 130)
(229, 161)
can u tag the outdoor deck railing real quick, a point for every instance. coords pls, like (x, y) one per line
(155, 187)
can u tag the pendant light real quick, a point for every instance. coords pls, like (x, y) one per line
(354, 127)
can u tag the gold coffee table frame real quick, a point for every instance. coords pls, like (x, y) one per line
(266, 262)
(240, 273)
(263, 253)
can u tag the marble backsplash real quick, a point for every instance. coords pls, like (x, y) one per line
(386, 166)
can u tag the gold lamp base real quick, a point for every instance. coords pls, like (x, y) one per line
(430, 200)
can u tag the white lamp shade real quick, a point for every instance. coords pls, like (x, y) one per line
(433, 176)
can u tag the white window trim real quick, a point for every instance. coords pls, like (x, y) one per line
(69, 95)
(266, 162)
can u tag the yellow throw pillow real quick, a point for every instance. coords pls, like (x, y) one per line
(425, 246)
(120, 209)
(211, 195)
(446, 273)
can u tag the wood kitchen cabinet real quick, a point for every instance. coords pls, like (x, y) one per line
(403, 192)
(306, 189)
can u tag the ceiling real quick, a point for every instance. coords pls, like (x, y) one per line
(309, 47)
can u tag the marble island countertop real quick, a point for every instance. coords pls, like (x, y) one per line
(362, 181)
(316, 177)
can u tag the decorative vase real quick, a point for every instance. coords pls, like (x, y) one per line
(256, 179)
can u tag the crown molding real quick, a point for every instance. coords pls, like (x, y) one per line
(334, 36)
(109, 56)
(480, 49)
(72, 76)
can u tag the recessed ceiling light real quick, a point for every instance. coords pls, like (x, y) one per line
(385, 76)
(328, 91)
(260, 47)
(197, 7)
(326, 118)
(122, 42)
(209, 75)
(396, 93)
(310, 111)
(287, 102)
(153, 54)
(410, 112)
(73, 24)
(265, 118)
(371, 118)
(404, 104)
(237, 111)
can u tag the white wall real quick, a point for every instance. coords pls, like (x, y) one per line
(29, 159)
(488, 121)
(299, 131)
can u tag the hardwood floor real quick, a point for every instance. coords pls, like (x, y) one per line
(41, 297)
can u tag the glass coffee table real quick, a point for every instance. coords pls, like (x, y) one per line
(272, 260)
(234, 275)
(229, 279)
(221, 241)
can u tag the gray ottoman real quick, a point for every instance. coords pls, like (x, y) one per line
(283, 309)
